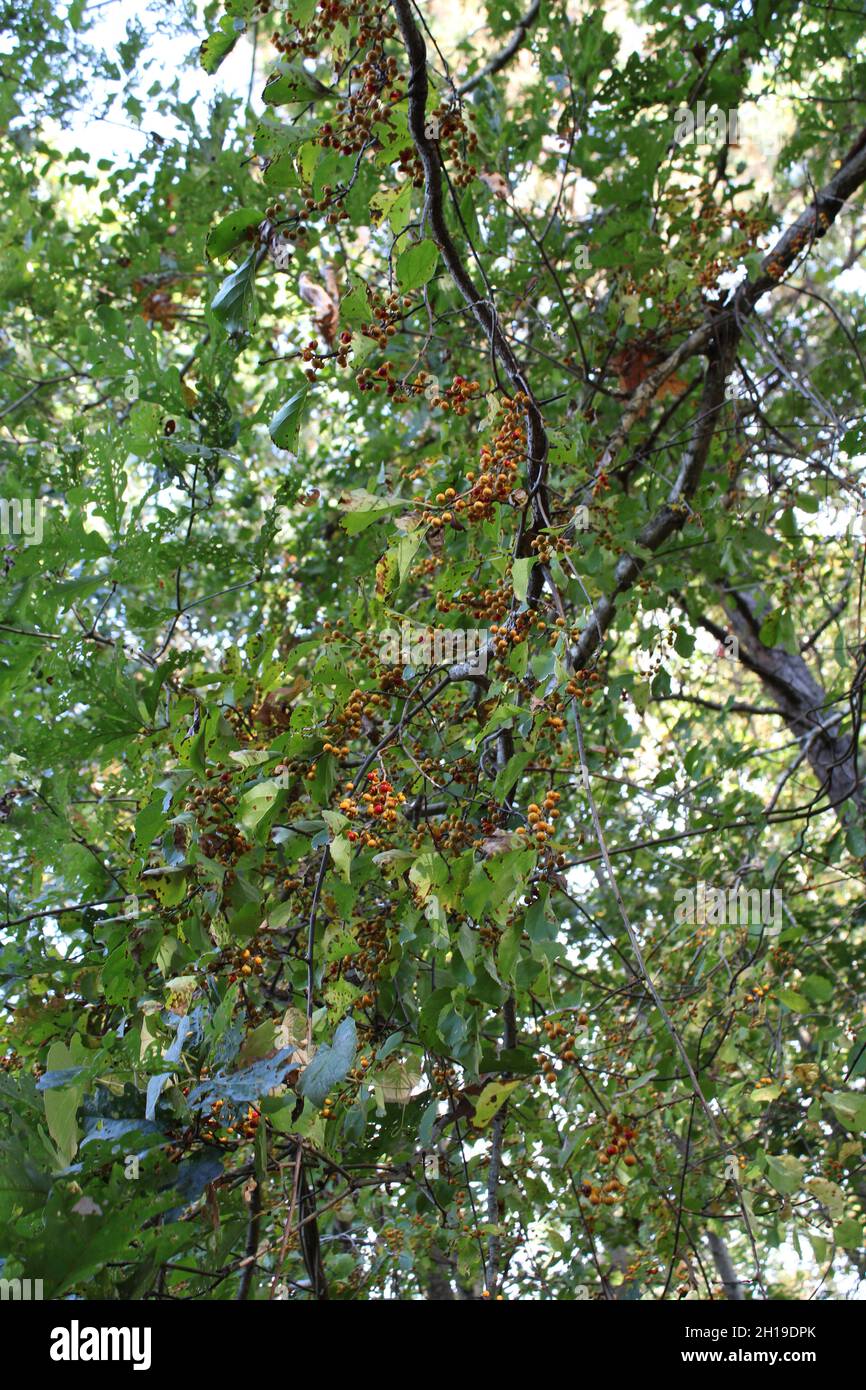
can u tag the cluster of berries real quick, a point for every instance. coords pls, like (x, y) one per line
(582, 686)
(620, 1142)
(559, 1037)
(244, 963)
(541, 818)
(317, 359)
(307, 41)
(606, 1194)
(216, 1131)
(379, 803)
(349, 722)
(501, 463)
(374, 91)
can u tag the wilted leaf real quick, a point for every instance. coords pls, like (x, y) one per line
(399, 1081)
(785, 1173)
(829, 1194)
(849, 1108)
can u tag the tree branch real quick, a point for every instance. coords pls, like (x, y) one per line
(506, 54)
(483, 309)
(720, 336)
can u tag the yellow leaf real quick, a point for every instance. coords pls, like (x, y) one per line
(491, 1100)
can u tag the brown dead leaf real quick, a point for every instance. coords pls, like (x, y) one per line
(435, 541)
(292, 1032)
(500, 841)
(496, 183)
(213, 1206)
(159, 307)
(634, 364)
(324, 300)
(276, 708)
(671, 386)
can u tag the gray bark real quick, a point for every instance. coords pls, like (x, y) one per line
(725, 1269)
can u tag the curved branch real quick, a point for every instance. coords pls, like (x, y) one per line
(483, 309)
(720, 336)
(507, 53)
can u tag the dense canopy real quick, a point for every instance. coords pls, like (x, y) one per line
(432, 649)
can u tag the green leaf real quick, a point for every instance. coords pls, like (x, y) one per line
(281, 172)
(520, 572)
(61, 1103)
(302, 12)
(234, 302)
(785, 1173)
(230, 233)
(467, 940)
(286, 424)
(510, 774)
(818, 988)
(170, 884)
(220, 43)
(415, 265)
(396, 205)
(849, 1107)
(354, 306)
(260, 801)
(425, 1129)
(362, 508)
(509, 949)
(295, 84)
(330, 1065)
(391, 1043)
(829, 1194)
(767, 1093)
(797, 1003)
(849, 1234)
(341, 853)
(856, 1059)
(149, 822)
